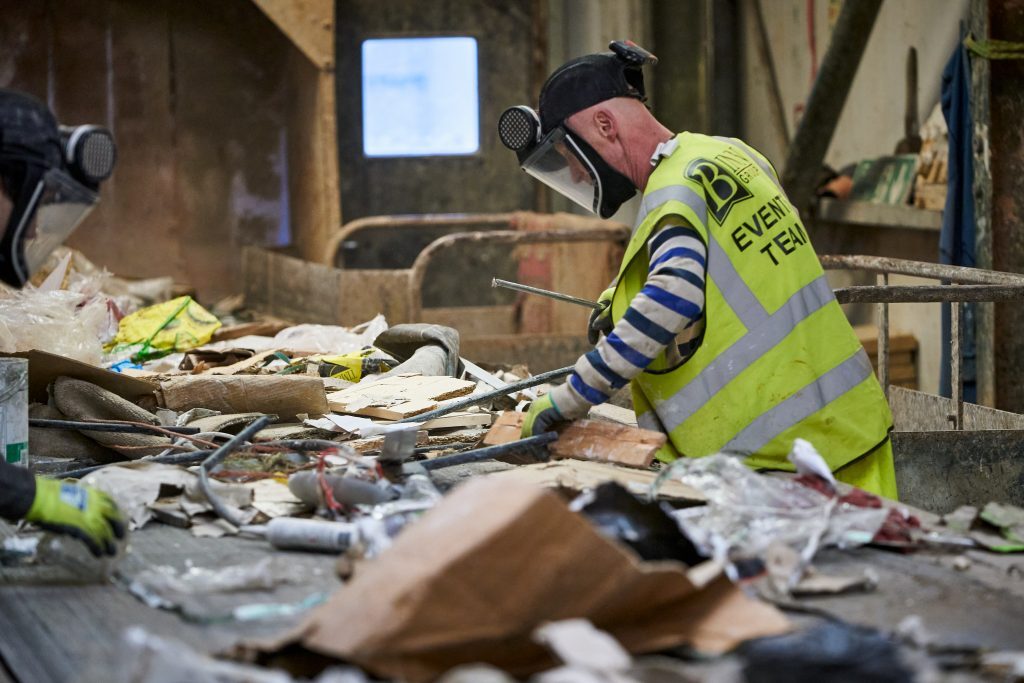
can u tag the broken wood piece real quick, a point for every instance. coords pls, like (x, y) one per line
(588, 440)
(505, 429)
(607, 442)
(398, 397)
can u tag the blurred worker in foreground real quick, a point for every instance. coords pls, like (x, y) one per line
(721, 317)
(48, 182)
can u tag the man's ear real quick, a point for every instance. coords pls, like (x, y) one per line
(605, 125)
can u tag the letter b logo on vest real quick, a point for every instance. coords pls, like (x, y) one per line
(722, 189)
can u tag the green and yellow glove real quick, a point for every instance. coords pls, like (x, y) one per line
(542, 417)
(561, 404)
(601, 319)
(79, 511)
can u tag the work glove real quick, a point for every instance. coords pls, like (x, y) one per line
(79, 511)
(553, 408)
(601, 319)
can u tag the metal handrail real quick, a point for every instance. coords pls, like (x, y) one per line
(964, 285)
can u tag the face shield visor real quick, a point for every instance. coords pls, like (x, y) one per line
(564, 162)
(54, 208)
(559, 163)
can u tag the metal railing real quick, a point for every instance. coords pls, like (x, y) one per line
(961, 285)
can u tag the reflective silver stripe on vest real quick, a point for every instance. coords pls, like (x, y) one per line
(747, 307)
(737, 295)
(649, 421)
(802, 404)
(764, 166)
(653, 201)
(744, 352)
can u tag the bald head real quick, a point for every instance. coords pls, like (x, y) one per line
(624, 132)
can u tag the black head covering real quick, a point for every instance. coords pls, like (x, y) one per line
(586, 81)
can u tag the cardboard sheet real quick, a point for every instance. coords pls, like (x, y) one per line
(473, 579)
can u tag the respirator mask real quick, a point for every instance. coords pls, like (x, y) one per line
(51, 176)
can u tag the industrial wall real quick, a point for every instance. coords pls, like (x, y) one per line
(195, 94)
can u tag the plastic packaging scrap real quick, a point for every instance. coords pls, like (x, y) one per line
(146, 658)
(330, 338)
(376, 530)
(176, 325)
(353, 366)
(65, 323)
(164, 585)
(747, 512)
(646, 527)
(833, 651)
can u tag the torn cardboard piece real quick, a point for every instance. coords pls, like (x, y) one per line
(580, 475)
(450, 591)
(284, 395)
(399, 396)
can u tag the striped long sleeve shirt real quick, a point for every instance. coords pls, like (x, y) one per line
(667, 315)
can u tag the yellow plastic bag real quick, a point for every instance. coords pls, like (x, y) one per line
(176, 325)
(352, 367)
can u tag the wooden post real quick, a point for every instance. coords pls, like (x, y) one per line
(313, 182)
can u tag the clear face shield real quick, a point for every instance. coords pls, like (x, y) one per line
(558, 162)
(56, 207)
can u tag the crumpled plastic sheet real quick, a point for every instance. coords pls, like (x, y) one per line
(747, 512)
(330, 338)
(165, 587)
(143, 657)
(66, 323)
(383, 522)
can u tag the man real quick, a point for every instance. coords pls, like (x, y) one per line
(47, 185)
(721, 318)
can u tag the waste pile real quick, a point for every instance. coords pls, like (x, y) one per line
(464, 552)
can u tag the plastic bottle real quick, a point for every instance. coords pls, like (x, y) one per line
(14, 410)
(289, 533)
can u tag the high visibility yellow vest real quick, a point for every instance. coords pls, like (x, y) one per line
(778, 359)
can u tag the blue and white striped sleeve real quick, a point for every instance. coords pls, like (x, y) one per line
(670, 303)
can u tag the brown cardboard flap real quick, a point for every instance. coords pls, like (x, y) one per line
(472, 580)
(45, 367)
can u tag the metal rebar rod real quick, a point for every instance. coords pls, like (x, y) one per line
(956, 340)
(557, 296)
(883, 340)
(490, 452)
(477, 399)
(928, 293)
(85, 425)
(169, 459)
(215, 458)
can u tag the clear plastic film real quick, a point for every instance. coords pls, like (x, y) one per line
(747, 512)
(65, 323)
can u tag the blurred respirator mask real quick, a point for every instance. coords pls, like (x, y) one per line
(551, 152)
(51, 175)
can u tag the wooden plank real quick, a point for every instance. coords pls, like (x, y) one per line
(309, 24)
(914, 411)
(313, 181)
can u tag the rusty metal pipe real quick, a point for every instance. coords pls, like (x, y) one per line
(936, 271)
(925, 294)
